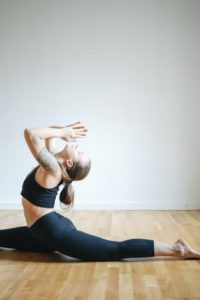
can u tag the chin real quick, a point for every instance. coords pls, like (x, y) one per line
(65, 149)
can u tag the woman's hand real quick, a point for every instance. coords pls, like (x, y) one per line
(71, 133)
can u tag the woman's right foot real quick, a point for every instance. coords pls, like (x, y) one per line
(183, 249)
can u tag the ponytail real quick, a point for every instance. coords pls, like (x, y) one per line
(67, 194)
(78, 172)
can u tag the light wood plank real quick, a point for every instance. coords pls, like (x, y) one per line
(35, 276)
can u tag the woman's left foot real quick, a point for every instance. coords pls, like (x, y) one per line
(183, 249)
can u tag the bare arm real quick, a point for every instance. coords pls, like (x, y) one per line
(50, 143)
(36, 137)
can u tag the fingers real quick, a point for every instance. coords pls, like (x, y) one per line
(75, 125)
(78, 125)
(75, 131)
(76, 136)
(79, 136)
(72, 124)
(80, 130)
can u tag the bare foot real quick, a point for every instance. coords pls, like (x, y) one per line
(184, 250)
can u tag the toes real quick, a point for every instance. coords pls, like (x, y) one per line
(182, 242)
(185, 250)
(179, 241)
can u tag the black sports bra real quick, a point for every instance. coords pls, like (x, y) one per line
(37, 194)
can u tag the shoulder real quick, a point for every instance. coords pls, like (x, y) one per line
(48, 162)
(47, 177)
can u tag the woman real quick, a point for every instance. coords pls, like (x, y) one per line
(48, 231)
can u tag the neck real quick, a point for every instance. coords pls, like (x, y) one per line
(60, 156)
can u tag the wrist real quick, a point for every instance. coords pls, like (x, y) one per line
(57, 127)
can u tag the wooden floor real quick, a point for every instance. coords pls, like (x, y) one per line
(54, 276)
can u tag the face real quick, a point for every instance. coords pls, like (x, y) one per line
(73, 155)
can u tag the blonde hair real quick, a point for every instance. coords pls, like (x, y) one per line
(78, 172)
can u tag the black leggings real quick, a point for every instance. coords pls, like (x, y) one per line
(54, 232)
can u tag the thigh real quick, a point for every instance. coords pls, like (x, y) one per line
(20, 238)
(59, 233)
(47, 229)
(82, 245)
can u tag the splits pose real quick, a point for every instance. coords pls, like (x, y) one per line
(49, 231)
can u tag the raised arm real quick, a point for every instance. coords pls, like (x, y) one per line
(50, 143)
(35, 139)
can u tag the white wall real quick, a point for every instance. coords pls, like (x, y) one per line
(130, 71)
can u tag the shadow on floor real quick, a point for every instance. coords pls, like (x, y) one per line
(56, 257)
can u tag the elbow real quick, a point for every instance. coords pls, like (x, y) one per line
(28, 132)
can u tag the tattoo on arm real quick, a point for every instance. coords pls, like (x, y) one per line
(48, 161)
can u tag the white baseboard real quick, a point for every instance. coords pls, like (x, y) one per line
(125, 205)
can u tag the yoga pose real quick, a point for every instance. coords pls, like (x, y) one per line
(49, 231)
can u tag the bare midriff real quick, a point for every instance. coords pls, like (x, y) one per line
(32, 212)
